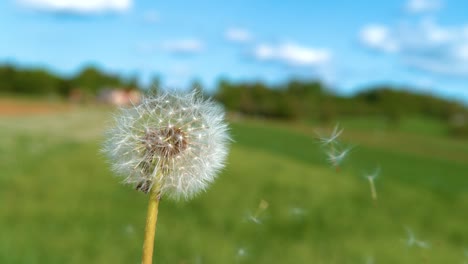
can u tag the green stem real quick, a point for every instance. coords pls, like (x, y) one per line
(151, 220)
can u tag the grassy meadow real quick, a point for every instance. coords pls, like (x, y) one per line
(59, 202)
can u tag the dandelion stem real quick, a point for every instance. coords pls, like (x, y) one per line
(151, 219)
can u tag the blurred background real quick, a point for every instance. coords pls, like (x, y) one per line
(392, 74)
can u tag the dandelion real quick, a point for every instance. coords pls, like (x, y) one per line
(371, 178)
(170, 145)
(413, 241)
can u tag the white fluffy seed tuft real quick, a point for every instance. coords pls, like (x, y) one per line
(177, 140)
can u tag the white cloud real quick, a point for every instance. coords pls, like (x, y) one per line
(462, 51)
(427, 46)
(422, 6)
(183, 46)
(292, 54)
(78, 6)
(238, 35)
(378, 37)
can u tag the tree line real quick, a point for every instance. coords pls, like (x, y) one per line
(292, 100)
(313, 100)
(37, 81)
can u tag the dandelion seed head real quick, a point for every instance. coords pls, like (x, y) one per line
(177, 140)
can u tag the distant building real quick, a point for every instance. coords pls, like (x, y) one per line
(119, 97)
(76, 96)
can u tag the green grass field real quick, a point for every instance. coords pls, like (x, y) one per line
(59, 202)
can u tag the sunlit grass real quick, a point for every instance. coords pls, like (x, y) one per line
(59, 203)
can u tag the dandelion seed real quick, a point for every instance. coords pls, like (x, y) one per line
(374, 174)
(129, 229)
(296, 211)
(422, 244)
(241, 252)
(263, 205)
(332, 138)
(152, 148)
(371, 178)
(336, 157)
(254, 219)
(413, 241)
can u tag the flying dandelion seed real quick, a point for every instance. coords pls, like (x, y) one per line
(332, 139)
(336, 157)
(129, 229)
(241, 252)
(371, 178)
(412, 241)
(263, 205)
(171, 145)
(374, 174)
(298, 212)
(255, 219)
(422, 244)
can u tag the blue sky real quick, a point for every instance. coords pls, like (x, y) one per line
(347, 44)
